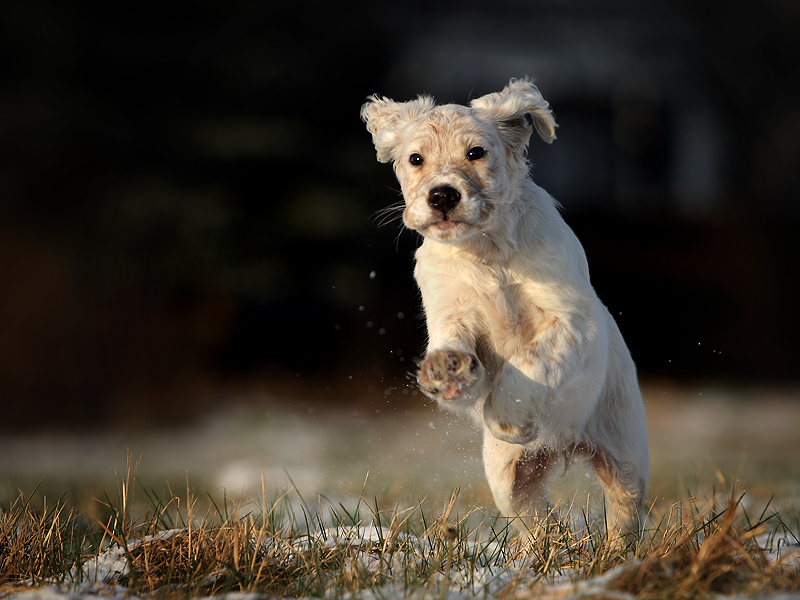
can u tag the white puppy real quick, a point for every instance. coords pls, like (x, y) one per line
(517, 336)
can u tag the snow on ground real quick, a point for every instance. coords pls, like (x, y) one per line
(467, 579)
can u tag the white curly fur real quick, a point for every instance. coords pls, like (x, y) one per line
(517, 336)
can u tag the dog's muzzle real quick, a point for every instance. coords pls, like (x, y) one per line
(444, 199)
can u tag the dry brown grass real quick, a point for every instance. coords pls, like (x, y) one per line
(699, 554)
(695, 550)
(38, 545)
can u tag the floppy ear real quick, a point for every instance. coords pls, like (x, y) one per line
(386, 119)
(517, 110)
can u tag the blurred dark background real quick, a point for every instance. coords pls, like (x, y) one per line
(188, 197)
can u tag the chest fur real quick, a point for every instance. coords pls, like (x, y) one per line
(510, 313)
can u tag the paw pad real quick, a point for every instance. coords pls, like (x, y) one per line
(447, 375)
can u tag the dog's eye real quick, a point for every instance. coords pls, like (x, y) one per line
(475, 153)
(416, 159)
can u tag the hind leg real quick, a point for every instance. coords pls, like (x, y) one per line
(517, 477)
(617, 436)
(624, 490)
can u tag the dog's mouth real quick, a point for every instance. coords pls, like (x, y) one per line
(446, 229)
(445, 224)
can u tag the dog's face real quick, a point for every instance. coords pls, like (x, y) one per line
(458, 165)
(451, 170)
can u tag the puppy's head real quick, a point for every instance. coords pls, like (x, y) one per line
(459, 165)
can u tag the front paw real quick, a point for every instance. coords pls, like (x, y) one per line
(449, 375)
(512, 426)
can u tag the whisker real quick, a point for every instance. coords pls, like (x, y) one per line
(388, 214)
(397, 239)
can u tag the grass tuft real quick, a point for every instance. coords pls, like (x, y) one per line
(703, 551)
(40, 545)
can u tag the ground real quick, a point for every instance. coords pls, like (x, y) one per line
(400, 453)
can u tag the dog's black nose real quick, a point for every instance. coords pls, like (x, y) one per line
(443, 198)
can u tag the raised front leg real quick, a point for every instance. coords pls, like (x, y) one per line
(451, 372)
(451, 377)
(553, 380)
(511, 410)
